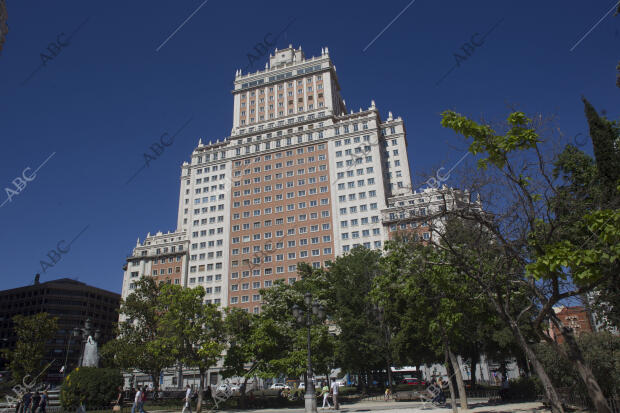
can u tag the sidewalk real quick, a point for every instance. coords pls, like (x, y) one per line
(406, 407)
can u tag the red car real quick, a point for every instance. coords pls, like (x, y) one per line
(413, 382)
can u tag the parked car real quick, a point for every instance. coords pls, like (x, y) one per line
(413, 382)
(223, 388)
(279, 386)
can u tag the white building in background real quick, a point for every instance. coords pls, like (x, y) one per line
(300, 178)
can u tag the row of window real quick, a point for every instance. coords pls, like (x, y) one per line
(347, 248)
(208, 267)
(345, 129)
(208, 169)
(281, 101)
(165, 250)
(350, 173)
(277, 186)
(157, 261)
(354, 222)
(204, 244)
(212, 220)
(289, 207)
(365, 233)
(213, 188)
(262, 91)
(291, 255)
(360, 195)
(202, 256)
(351, 184)
(246, 299)
(207, 278)
(289, 232)
(313, 215)
(405, 225)
(279, 221)
(354, 209)
(278, 165)
(356, 161)
(289, 93)
(291, 111)
(280, 270)
(163, 271)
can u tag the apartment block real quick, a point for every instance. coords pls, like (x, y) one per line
(300, 178)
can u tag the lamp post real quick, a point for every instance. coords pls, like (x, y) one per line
(84, 333)
(379, 313)
(310, 308)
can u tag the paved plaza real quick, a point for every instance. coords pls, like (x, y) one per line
(411, 407)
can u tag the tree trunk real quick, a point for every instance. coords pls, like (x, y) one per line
(450, 386)
(550, 392)
(242, 391)
(459, 378)
(155, 377)
(201, 388)
(575, 355)
(475, 358)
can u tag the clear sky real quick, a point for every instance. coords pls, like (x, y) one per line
(116, 85)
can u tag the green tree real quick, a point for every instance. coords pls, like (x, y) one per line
(288, 356)
(527, 232)
(245, 346)
(193, 331)
(361, 344)
(601, 351)
(33, 333)
(138, 344)
(442, 303)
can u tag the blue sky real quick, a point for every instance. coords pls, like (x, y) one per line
(109, 94)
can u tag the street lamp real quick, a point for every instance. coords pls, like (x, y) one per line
(310, 308)
(84, 333)
(380, 314)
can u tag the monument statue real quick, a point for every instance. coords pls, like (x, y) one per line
(91, 355)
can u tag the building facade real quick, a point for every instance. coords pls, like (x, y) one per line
(300, 178)
(72, 302)
(576, 318)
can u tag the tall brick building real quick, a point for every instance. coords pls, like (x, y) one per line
(300, 178)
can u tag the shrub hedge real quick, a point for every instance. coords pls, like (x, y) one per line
(94, 387)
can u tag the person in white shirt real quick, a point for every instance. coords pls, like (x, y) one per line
(188, 400)
(137, 401)
(335, 394)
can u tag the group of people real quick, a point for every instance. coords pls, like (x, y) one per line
(138, 400)
(332, 392)
(32, 402)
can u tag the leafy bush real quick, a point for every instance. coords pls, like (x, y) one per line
(94, 387)
(524, 388)
(345, 391)
(601, 352)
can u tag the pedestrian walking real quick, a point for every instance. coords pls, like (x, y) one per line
(36, 398)
(325, 393)
(334, 392)
(43, 402)
(143, 400)
(26, 402)
(119, 400)
(188, 400)
(137, 401)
